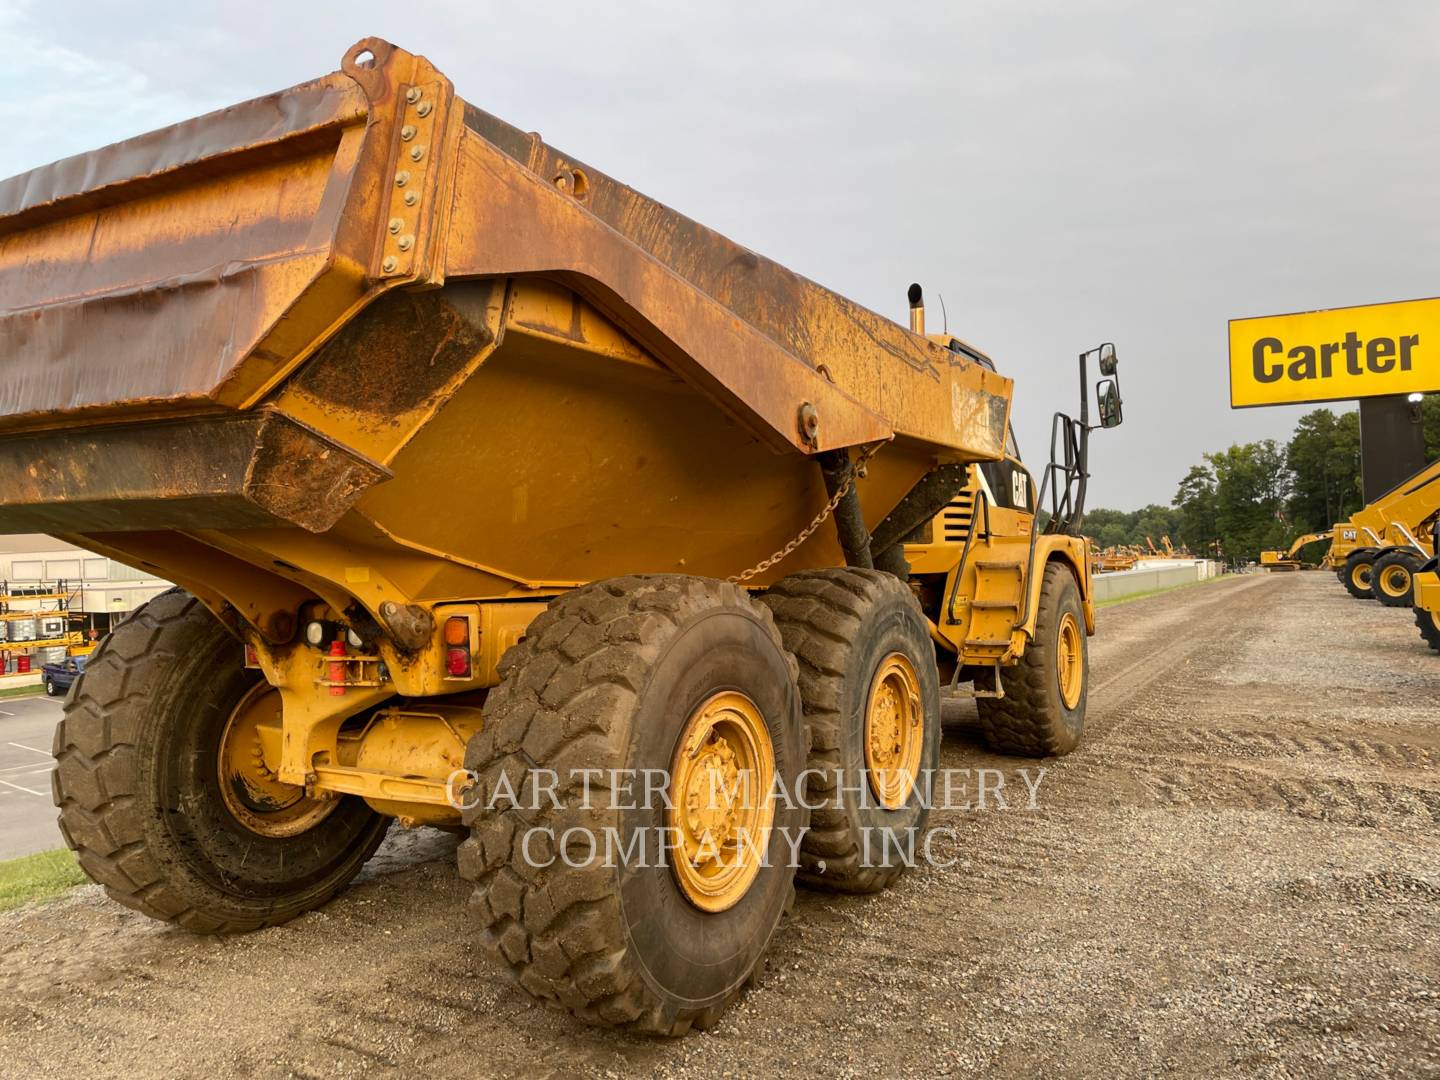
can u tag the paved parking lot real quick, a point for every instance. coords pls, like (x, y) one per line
(27, 817)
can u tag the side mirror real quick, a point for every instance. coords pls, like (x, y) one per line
(1108, 363)
(1107, 394)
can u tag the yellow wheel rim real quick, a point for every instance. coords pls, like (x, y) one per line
(252, 793)
(722, 803)
(1361, 575)
(1070, 660)
(1395, 580)
(894, 731)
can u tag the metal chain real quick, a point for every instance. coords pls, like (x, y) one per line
(858, 469)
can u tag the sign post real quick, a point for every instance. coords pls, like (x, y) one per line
(1392, 444)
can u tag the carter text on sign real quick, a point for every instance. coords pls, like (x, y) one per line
(1335, 354)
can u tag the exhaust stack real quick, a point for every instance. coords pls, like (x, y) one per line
(917, 309)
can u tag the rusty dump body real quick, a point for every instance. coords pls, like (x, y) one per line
(362, 324)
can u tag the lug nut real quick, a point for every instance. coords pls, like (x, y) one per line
(402, 178)
(416, 153)
(414, 94)
(396, 224)
(389, 264)
(424, 109)
(407, 132)
(405, 242)
(411, 198)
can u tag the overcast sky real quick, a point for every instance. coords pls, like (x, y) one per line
(1064, 173)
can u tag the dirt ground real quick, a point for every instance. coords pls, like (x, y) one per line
(1238, 874)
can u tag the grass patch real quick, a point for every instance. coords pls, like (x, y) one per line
(1157, 592)
(38, 877)
(22, 691)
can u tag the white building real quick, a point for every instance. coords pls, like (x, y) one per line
(41, 574)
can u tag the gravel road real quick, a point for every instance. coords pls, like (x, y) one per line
(1237, 874)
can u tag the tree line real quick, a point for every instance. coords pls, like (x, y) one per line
(1260, 495)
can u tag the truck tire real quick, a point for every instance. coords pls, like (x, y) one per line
(659, 672)
(867, 664)
(138, 782)
(1043, 711)
(1391, 578)
(49, 686)
(1358, 575)
(1429, 627)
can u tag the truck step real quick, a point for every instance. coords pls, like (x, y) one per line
(1012, 605)
(987, 643)
(990, 564)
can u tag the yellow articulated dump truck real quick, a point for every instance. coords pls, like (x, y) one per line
(1376, 552)
(504, 499)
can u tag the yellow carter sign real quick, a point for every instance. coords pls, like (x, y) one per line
(1335, 354)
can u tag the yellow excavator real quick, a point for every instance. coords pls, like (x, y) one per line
(1290, 560)
(1378, 551)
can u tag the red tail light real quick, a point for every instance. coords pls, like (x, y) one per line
(457, 662)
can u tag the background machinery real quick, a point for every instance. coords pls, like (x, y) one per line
(1290, 560)
(483, 475)
(1377, 551)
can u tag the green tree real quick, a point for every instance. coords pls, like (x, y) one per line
(1195, 499)
(1251, 486)
(1430, 421)
(1323, 457)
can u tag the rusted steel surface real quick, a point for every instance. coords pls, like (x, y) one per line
(899, 375)
(216, 144)
(193, 267)
(506, 221)
(202, 261)
(252, 315)
(239, 471)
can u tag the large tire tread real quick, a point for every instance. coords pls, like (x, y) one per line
(1428, 630)
(97, 782)
(1406, 559)
(1027, 721)
(583, 661)
(1347, 575)
(820, 613)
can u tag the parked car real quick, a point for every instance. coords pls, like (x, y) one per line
(58, 677)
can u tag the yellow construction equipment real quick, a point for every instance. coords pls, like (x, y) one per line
(1426, 589)
(495, 491)
(1376, 552)
(1113, 559)
(1290, 560)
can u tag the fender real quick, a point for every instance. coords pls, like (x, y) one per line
(1068, 551)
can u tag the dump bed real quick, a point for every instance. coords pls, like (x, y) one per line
(247, 318)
